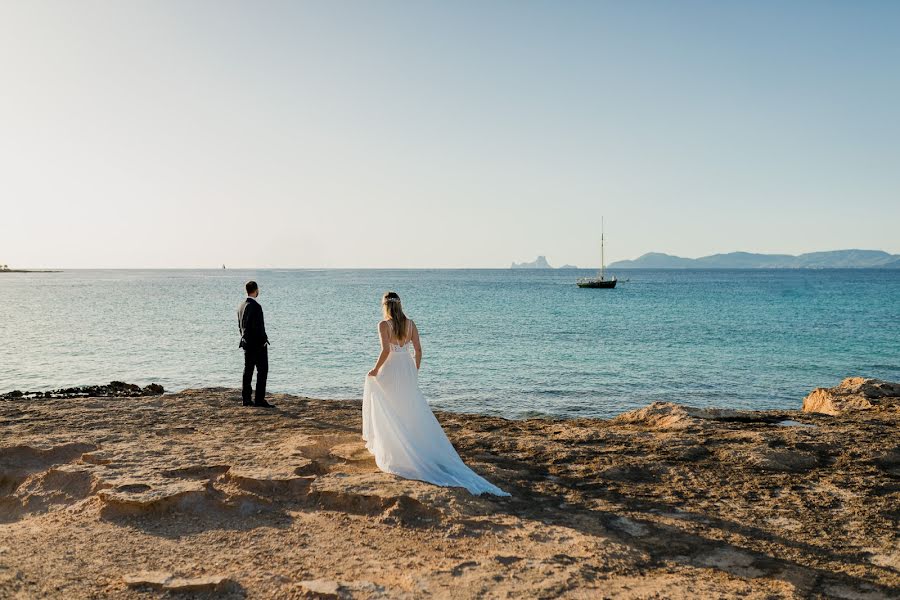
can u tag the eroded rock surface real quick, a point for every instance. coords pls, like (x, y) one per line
(853, 393)
(171, 583)
(192, 493)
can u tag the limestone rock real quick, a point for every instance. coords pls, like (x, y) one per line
(270, 482)
(138, 497)
(156, 579)
(405, 502)
(782, 459)
(208, 583)
(163, 580)
(632, 528)
(730, 560)
(890, 461)
(853, 393)
(321, 588)
(668, 415)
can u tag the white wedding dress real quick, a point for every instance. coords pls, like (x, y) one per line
(403, 434)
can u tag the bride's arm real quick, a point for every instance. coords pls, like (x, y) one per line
(416, 344)
(384, 333)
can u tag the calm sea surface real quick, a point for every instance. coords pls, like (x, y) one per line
(506, 342)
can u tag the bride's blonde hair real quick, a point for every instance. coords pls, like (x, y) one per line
(393, 310)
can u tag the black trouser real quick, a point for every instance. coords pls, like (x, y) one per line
(257, 358)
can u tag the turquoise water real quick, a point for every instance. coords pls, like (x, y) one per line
(507, 342)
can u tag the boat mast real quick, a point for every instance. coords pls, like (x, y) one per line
(602, 258)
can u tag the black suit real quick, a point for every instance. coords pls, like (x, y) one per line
(254, 340)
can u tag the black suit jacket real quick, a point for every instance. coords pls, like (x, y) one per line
(252, 325)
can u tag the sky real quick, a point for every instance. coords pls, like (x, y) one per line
(170, 134)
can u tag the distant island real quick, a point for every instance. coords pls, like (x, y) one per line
(833, 259)
(6, 269)
(539, 263)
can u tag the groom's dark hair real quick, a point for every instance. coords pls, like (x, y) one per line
(251, 287)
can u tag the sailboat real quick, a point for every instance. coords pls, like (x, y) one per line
(600, 281)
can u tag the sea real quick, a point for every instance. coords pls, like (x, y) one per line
(513, 343)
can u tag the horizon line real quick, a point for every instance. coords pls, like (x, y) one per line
(346, 268)
(35, 270)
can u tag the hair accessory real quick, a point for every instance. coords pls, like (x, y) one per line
(392, 299)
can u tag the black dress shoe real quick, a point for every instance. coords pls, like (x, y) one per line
(263, 404)
(247, 403)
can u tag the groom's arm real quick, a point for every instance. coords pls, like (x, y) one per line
(262, 327)
(242, 310)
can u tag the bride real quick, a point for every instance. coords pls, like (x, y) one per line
(398, 425)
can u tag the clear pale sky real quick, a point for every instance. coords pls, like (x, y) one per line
(454, 134)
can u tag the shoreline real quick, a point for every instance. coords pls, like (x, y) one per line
(118, 389)
(667, 500)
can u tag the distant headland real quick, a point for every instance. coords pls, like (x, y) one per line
(6, 269)
(539, 263)
(833, 259)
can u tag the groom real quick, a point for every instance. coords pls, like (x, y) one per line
(254, 341)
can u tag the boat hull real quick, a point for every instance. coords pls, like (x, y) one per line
(598, 283)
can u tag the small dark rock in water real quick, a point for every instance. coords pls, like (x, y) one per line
(115, 389)
(154, 389)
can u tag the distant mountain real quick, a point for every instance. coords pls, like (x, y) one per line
(834, 259)
(539, 263)
(655, 260)
(848, 259)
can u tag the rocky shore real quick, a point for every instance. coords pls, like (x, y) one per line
(195, 495)
(115, 389)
